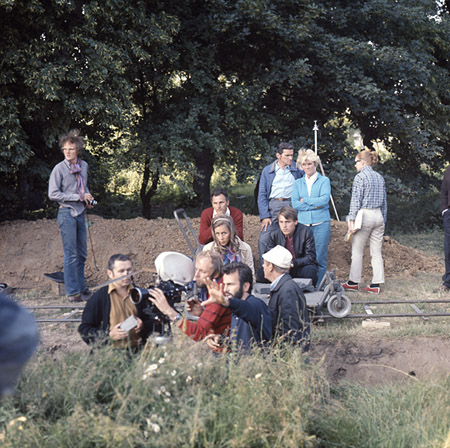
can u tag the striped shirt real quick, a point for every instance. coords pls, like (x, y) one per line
(368, 192)
(215, 319)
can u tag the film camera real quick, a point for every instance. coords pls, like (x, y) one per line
(176, 272)
(171, 291)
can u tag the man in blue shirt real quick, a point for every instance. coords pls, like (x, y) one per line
(275, 191)
(250, 322)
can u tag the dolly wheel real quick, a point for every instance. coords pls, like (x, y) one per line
(339, 311)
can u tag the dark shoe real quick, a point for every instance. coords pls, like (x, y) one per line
(440, 289)
(75, 298)
(86, 294)
(350, 287)
(372, 289)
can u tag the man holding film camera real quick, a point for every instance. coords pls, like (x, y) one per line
(110, 313)
(214, 318)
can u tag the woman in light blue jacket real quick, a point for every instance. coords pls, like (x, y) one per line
(310, 197)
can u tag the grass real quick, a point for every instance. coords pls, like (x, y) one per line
(180, 395)
(419, 287)
(430, 242)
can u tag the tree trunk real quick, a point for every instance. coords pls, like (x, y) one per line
(151, 177)
(204, 164)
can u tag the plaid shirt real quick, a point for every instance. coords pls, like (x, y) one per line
(368, 192)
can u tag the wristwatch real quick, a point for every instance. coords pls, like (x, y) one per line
(176, 318)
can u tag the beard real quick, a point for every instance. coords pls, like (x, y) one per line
(238, 294)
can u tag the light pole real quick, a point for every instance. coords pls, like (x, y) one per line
(316, 130)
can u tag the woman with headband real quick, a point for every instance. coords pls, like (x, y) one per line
(228, 244)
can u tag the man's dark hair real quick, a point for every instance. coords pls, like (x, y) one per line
(117, 257)
(245, 273)
(288, 213)
(284, 145)
(218, 191)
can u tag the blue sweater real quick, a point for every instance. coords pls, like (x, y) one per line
(314, 208)
(250, 323)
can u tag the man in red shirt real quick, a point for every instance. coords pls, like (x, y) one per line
(220, 205)
(214, 318)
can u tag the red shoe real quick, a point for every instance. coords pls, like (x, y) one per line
(350, 287)
(372, 289)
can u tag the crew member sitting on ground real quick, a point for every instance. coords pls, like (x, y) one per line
(299, 241)
(228, 244)
(287, 304)
(213, 318)
(111, 305)
(220, 205)
(251, 322)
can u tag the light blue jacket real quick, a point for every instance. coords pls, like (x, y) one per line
(313, 209)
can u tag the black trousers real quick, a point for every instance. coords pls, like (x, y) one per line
(446, 276)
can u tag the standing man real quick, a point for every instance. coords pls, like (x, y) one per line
(68, 187)
(220, 205)
(275, 191)
(298, 239)
(250, 322)
(214, 318)
(111, 305)
(445, 206)
(287, 304)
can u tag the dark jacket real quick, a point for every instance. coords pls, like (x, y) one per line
(290, 317)
(95, 320)
(250, 322)
(445, 188)
(304, 247)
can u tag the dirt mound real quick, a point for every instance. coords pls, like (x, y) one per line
(380, 361)
(30, 249)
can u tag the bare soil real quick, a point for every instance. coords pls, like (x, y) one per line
(30, 249)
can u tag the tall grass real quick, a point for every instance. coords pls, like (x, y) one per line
(164, 397)
(181, 395)
(408, 415)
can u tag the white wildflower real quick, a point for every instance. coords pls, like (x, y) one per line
(173, 373)
(188, 379)
(153, 426)
(258, 375)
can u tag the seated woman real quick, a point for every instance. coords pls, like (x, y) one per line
(228, 244)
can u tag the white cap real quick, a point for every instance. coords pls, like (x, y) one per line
(279, 256)
(176, 267)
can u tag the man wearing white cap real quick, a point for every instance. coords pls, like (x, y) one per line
(287, 303)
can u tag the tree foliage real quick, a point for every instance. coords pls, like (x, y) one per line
(186, 86)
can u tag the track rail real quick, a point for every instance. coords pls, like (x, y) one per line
(369, 313)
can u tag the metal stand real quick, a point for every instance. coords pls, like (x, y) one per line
(316, 129)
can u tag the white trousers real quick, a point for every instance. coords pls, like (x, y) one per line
(373, 229)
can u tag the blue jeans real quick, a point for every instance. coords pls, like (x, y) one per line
(321, 234)
(73, 234)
